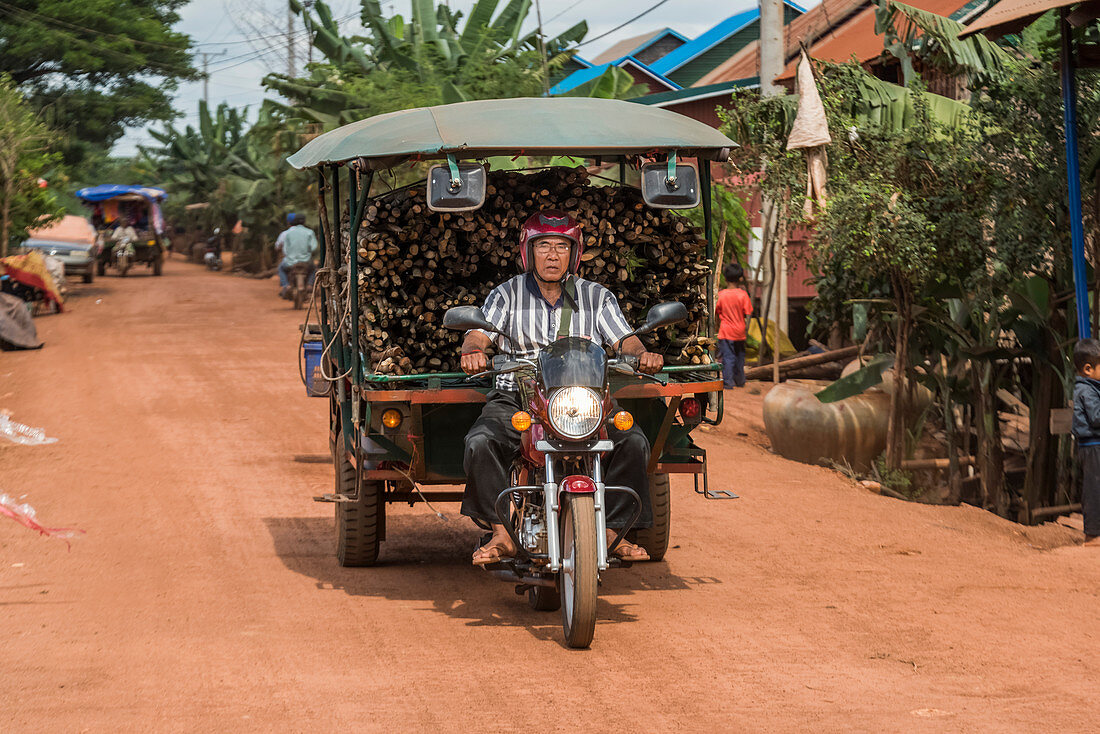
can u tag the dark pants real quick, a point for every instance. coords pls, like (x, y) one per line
(733, 362)
(493, 444)
(1090, 487)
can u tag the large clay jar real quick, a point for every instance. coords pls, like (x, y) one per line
(802, 428)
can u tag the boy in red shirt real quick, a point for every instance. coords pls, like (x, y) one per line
(733, 307)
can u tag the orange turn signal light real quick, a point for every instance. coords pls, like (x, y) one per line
(623, 421)
(521, 420)
(392, 418)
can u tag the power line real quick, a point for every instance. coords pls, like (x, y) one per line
(623, 25)
(551, 20)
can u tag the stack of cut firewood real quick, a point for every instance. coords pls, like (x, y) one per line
(415, 264)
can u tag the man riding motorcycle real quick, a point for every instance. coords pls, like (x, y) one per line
(532, 309)
(124, 237)
(298, 244)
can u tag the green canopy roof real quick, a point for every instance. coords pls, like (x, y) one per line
(526, 125)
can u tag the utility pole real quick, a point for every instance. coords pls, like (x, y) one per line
(542, 49)
(771, 46)
(206, 73)
(289, 41)
(309, 36)
(772, 54)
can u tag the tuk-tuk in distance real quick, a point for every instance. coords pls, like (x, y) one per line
(391, 435)
(113, 206)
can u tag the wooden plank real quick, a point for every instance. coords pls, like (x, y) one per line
(789, 365)
(1061, 421)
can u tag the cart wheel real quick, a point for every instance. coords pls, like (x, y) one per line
(543, 599)
(579, 579)
(358, 523)
(655, 539)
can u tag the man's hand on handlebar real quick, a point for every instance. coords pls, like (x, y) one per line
(474, 362)
(473, 353)
(650, 363)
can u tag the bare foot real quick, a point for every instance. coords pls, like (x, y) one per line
(625, 550)
(499, 548)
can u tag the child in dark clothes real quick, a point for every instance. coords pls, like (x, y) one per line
(1086, 429)
(733, 307)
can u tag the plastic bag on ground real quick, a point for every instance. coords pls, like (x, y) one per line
(25, 515)
(19, 433)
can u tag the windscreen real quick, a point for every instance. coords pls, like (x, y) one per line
(573, 361)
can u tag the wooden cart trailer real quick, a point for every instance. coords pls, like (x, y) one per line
(400, 438)
(110, 205)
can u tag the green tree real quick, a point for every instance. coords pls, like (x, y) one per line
(439, 56)
(195, 162)
(24, 157)
(95, 67)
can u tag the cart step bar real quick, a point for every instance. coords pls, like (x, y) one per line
(706, 491)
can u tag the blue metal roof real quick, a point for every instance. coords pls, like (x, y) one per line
(103, 192)
(577, 78)
(658, 36)
(674, 59)
(704, 42)
(581, 76)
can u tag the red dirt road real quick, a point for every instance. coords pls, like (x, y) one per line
(206, 597)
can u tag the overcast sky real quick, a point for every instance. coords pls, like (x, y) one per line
(246, 39)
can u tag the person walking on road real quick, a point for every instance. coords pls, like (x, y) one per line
(1086, 429)
(298, 244)
(733, 308)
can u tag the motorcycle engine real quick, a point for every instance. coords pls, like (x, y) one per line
(532, 529)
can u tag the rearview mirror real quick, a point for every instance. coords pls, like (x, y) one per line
(464, 318)
(456, 193)
(664, 314)
(661, 191)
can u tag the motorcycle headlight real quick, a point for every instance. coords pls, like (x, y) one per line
(575, 412)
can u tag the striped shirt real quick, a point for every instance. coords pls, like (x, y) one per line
(518, 308)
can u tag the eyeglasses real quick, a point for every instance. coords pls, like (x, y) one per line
(545, 248)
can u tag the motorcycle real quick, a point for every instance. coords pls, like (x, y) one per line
(124, 253)
(212, 259)
(212, 254)
(554, 512)
(299, 277)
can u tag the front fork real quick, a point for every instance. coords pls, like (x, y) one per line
(553, 512)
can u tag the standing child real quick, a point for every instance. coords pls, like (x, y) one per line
(1086, 429)
(733, 307)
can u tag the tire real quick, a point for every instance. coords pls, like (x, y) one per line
(358, 523)
(299, 291)
(543, 599)
(655, 539)
(88, 276)
(580, 584)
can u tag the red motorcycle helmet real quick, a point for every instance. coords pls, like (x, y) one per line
(550, 222)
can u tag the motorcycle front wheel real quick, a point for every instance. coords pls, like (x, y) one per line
(579, 580)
